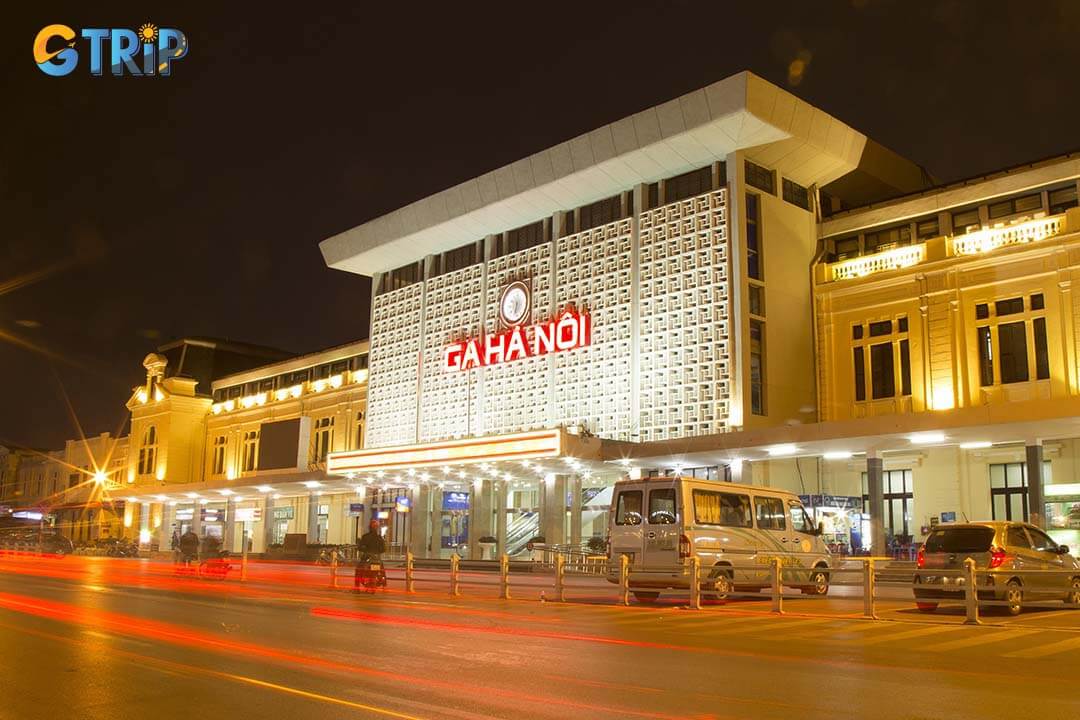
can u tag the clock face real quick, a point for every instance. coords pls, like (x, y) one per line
(515, 303)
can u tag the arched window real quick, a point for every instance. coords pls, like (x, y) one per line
(148, 452)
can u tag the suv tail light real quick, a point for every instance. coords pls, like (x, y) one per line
(684, 547)
(920, 558)
(997, 557)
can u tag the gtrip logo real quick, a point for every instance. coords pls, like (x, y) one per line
(150, 50)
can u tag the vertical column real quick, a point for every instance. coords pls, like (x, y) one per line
(165, 529)
(575, 510)
(420, 528)
(312, 518)
(431, 550)
(228, 536)
(479, 516)
(1034, 465)
(144, 523)
(876, 490)
(501, 489)
(268, 521)
(554, 513)
(196, 516)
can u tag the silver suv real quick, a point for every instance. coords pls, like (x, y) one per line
(1001, 550)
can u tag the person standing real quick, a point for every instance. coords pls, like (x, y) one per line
(189, 546)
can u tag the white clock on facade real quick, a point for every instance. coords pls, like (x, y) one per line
(515, 303)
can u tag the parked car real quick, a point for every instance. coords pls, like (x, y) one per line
(1001, 551)
(49, 540)
(659, 523)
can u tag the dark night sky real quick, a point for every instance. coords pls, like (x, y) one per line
(194, 205)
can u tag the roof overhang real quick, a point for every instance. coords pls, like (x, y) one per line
(742, 112)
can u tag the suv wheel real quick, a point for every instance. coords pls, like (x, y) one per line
(1014, 597)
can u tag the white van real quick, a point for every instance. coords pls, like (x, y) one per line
(736, 531)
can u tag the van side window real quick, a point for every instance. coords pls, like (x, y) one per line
(800, 521)
(721, 508)
(770, 513)
(628, 508)
(662, 506)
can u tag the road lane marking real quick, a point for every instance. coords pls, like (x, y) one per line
(980, 638)
(906, 634)
(1044, 650)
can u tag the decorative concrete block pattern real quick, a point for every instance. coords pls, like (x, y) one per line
(453, 310)
(516, 394)
(685, 342)
(394, 363)
(593, 271)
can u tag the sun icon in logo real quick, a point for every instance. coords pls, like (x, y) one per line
(148, 33)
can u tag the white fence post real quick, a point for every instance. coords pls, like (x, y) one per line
(333, 571)
(409, 572)
(777, 585)
(869, 589)
(971, 594)
(455, 590)
(624, 579)
(560, 578)
(695, 582)
(504, 576)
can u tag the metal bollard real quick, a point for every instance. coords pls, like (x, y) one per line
(971, 594)
(243, 557)
(409, 573)
(624, 579)
(560, 577)
(869, 589)
(504, 577)
(695, 582)
(455, 588)
(777, 585)
(333, 571)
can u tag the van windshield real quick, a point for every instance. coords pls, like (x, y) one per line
(960, 540)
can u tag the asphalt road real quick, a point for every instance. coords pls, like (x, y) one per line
(104, 638)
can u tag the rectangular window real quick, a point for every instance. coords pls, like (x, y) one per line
(1015, 206)
(860, 374)
(761, 178)
(324, 437)
(899, 503)
(1009, 307)
(522, 238)
(846, 248)
(905, 369)
(1008, 492)
(881, 328)
(986, 357)
(1062, 199)
(966, 221)
(1038, 302)
(757, 367)
(654, 195)
(250, 450)
(1042, 359)
(687, 185)
(901, 325)
(628, 508)
(856, 332)
(219, 455)
(796, 194)
(927, 228)
(456, 259)
(757, 300)
(1012, 352)
(882, 375)
(887, 239)
(770, 513)
(401, 277)
(720, 508)
(662, 506)
(982, 311)
(754, 267)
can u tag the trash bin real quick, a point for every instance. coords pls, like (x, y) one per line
(487, 547)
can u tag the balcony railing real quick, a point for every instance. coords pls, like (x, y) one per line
(894, 259)
(993, 238)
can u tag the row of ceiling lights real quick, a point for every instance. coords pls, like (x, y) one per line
(925, 438)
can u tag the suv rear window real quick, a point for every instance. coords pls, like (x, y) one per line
(960, 540)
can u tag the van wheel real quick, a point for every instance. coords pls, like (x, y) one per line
(646, 598)
(1014, 597)
(819, 582)
(1073, 596)
(721, 583)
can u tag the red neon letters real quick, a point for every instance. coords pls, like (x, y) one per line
(568, 331)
